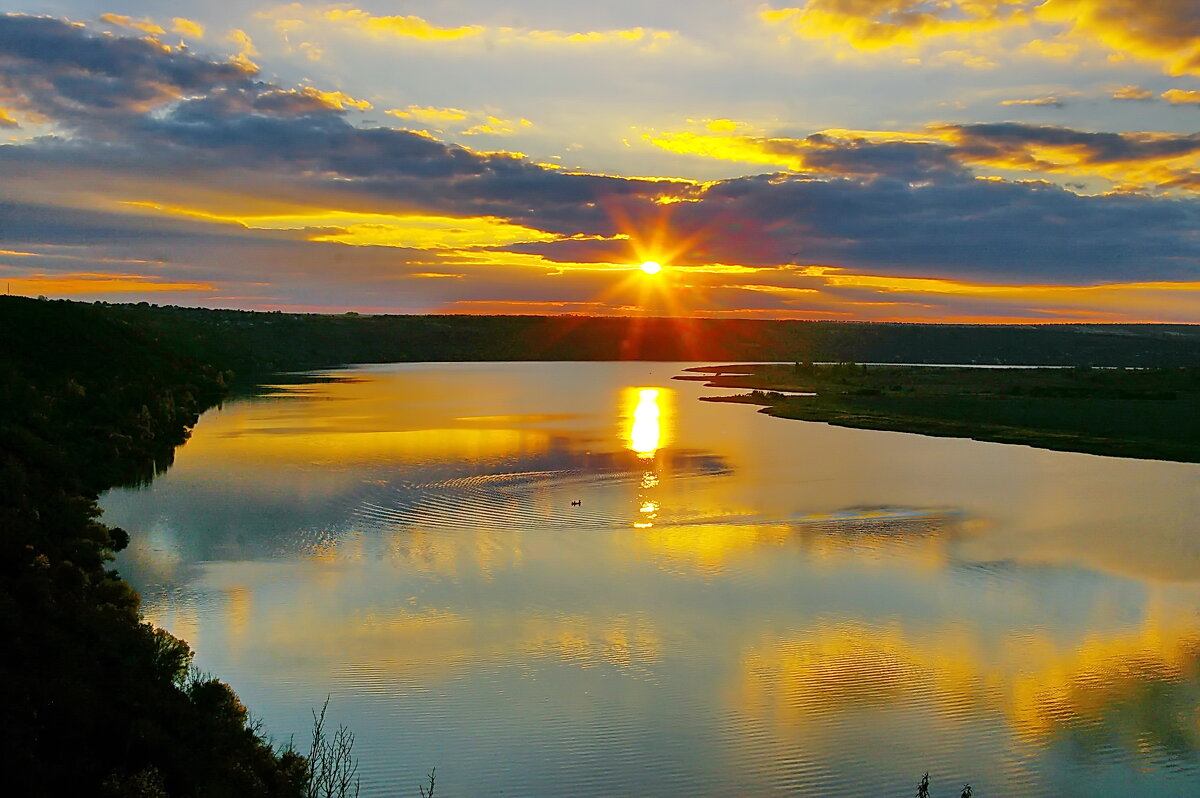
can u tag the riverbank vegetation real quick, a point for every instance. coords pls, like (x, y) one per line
(1144, 413)
(93, 701)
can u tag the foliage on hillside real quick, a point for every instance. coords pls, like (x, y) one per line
(92, 700)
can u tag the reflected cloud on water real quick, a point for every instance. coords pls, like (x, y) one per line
(792, 594)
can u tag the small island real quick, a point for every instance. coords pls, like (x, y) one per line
(1140, 413)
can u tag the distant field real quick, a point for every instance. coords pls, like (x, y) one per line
(1145, 413)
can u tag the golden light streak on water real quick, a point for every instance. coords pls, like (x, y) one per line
(1016, 618)
(645, 433)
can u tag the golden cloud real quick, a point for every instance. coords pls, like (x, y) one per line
(1130, 161)
(186, 27)
(1056, 49)
(1161, 31)
(1052, 101)
(433, 232)
(1139, 160)
(356, 228)
(296, 16)
(495, 126)
(335, 99)
(1181, 97)
(1132, 302)
(397, 26)
(745, 149)
(145, 24)
(430, 114)
(1132, 93)
(627, 36)
(467, 123)
(246, 49)
(873, 25)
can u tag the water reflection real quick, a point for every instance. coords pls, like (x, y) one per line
(645, 431)
(739, 604)
(645, 438)
(1127, 699)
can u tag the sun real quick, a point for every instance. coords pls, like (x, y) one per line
(651, 267)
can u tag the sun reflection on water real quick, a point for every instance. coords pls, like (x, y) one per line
(646, 437)
(645, 433)
(302, 544)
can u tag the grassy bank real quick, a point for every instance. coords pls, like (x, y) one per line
(1144, 413)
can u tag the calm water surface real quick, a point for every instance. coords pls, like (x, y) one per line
(739, 605)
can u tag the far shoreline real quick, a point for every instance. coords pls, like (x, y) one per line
(1147, 414)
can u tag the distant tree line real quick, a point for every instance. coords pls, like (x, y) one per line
(253, 343)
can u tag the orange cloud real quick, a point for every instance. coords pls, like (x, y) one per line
(76, 283)
(493, 307)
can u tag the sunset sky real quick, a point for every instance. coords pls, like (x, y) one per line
(950, 160)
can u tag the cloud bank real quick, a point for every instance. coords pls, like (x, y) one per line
(160, 169)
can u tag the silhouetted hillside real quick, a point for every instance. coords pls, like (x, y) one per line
(93, 701)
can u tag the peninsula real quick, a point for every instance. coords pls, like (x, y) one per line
(1141, 413)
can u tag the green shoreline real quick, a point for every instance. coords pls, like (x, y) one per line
(1150, 414)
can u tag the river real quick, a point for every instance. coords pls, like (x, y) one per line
(736, 605)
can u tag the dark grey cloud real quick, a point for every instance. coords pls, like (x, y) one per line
(81, 79)
(178, 109)
(863, 158)
(1005, 231)
(134, 110)
(1017, 142)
